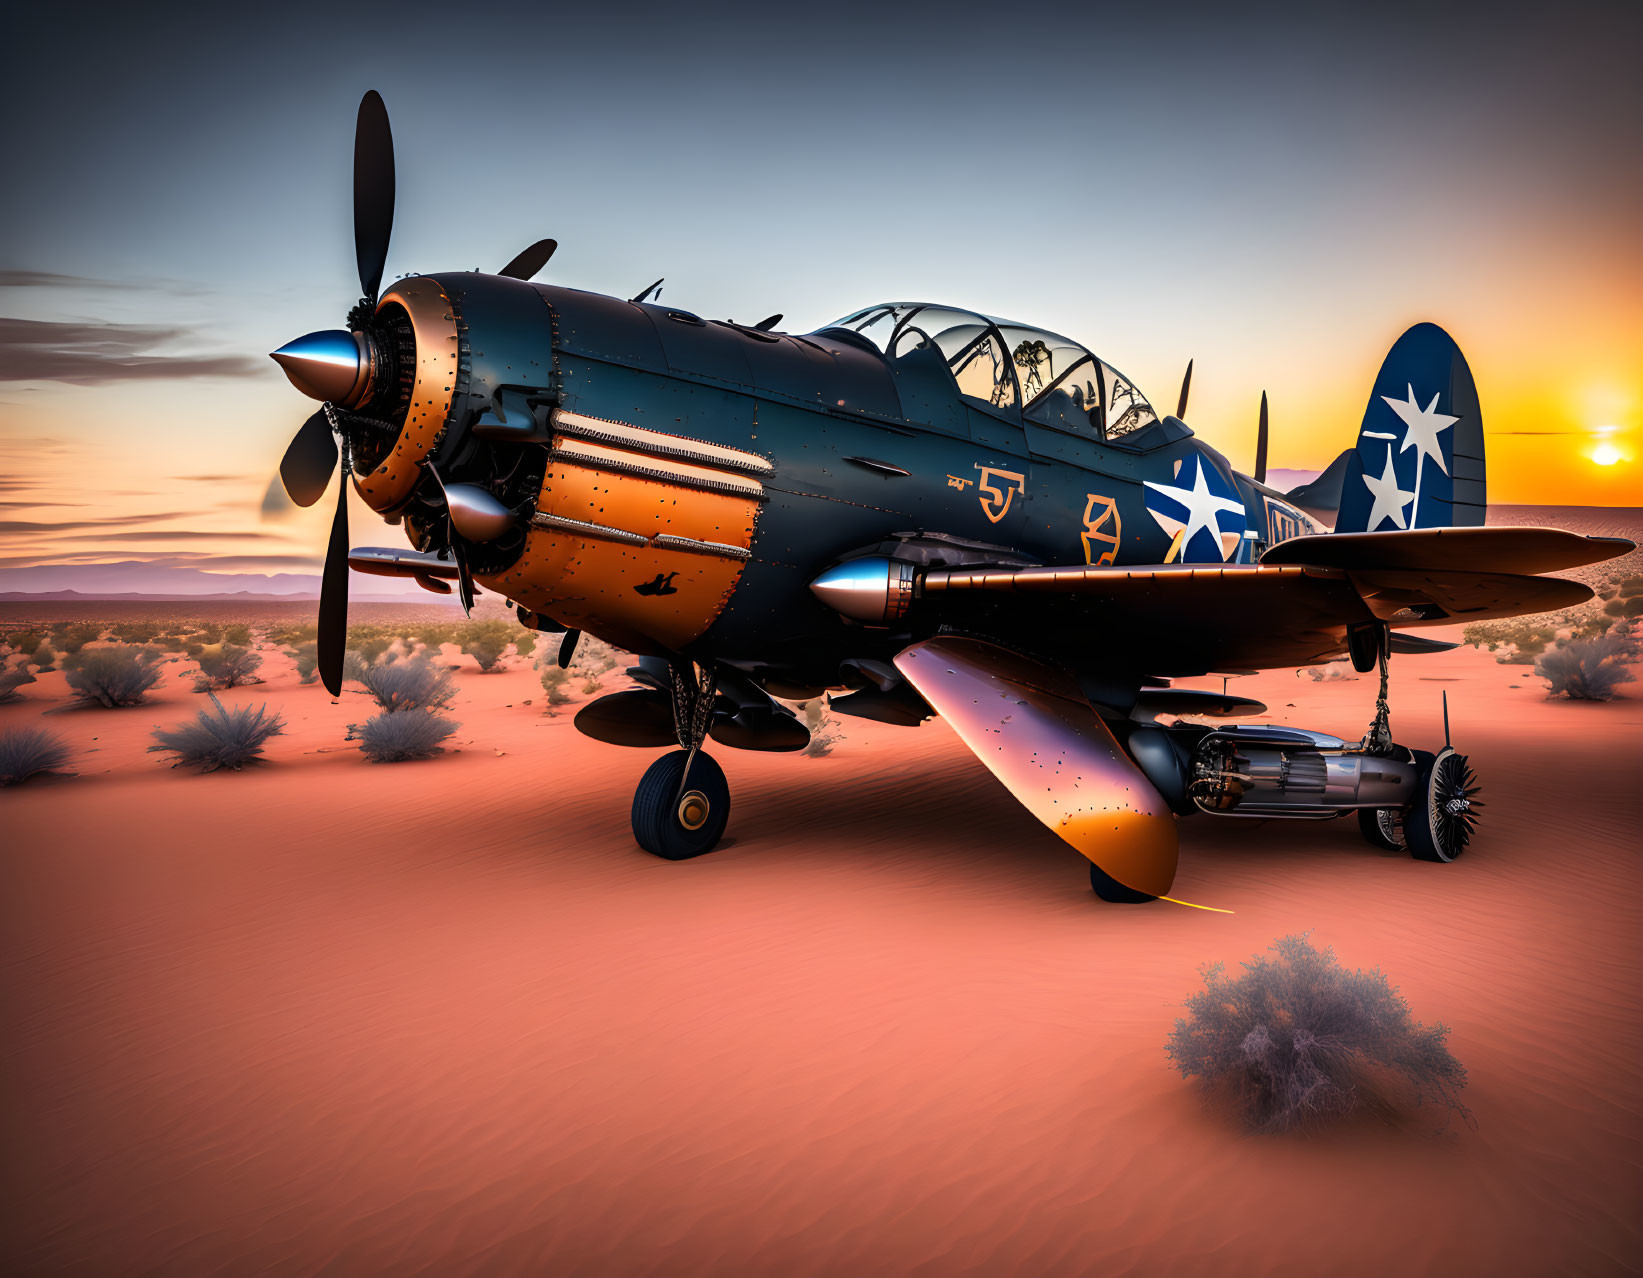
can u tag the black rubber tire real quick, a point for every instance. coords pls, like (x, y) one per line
(657, 824)
(1112, 891)
(1372, 824)
(1430, 836)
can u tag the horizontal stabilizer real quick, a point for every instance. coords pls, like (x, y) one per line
(1323, 495)
(1498, 549)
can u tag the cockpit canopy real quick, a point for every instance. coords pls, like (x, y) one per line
(1009, 367)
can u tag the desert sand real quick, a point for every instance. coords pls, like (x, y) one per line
(446, 1018)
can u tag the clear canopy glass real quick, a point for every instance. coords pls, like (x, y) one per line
(1001, 364)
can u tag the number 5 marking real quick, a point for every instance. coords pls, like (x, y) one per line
(996, 498)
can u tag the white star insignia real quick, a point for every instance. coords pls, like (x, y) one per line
(1389, 498)
(1203, 509)
(1421, 427)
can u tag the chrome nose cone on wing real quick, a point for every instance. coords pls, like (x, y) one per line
(332, 365)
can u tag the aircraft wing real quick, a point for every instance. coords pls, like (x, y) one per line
(1291, 609)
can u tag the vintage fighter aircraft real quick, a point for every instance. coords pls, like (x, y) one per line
(926, 511)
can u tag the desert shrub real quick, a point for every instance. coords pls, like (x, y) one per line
(118, 675)
(70, 637)
(1631, 587)
(307, 655)
(171, 642)
(823, 727)
(591, 685)
(486, 641)
(294, 636)
(137, 631)
(434, 633)
(409, 684)
(1588, 669)
(11, 681)
(237, 634)
(220, 738)
(27, 752)
(401, 736)
(370, 642)
(1298, 1039)
(226, 667)
(553, 683)
(43, 658)
(25, 640)
(524, 641)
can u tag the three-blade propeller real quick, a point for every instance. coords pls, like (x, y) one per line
(312, 456)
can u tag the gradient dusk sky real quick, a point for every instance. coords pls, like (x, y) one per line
(1276, 194)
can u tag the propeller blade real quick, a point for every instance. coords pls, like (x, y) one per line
(769, 322)
(567, 648)
(333, 598)
(373, 191)
(309, 459)
(1186, 385)
(643, 296)
(464, 581)
(529, 262)
(1260, 444)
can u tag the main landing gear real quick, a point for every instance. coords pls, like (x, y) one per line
(683, 800)
(1437, 822)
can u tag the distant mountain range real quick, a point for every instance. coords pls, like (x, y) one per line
(141, 579)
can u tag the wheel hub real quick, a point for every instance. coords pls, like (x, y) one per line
(693, 810)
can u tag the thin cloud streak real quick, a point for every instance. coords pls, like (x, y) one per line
(81, 354)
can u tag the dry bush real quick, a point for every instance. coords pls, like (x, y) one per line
(1298, 1040)
(25, 640)
(70, 637)
(486, 642)
(293, 636)
(553, 682)
(138, 631)
(118, 675)
(43, 658)
(229, 666)
(307, 655)
(27, 752)
(408, 684)
(11, 681)
(1589, 669)
(237, 634)
(370, 642)
(220, 738)
(401, 736)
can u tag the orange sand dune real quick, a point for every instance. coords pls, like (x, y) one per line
(446, 1018)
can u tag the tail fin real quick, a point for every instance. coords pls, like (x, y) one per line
(1419, 459)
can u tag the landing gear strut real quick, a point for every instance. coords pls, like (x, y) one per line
(683, 800)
